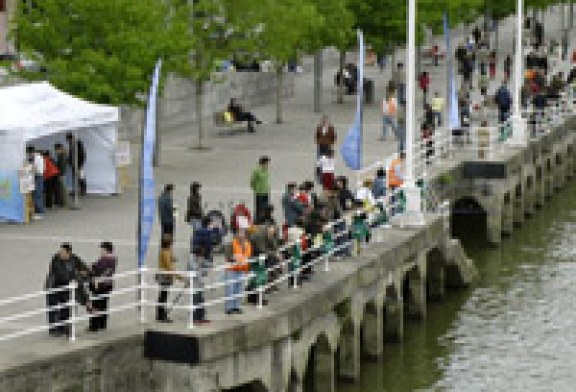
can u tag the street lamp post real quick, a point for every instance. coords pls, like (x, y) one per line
(519, 137)
(413, 215)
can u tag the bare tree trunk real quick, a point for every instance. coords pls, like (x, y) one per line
(340, 96)
(318, 68)
(279, 79)
(199, 112)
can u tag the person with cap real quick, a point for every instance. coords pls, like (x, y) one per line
(101, 285)
(260, 184)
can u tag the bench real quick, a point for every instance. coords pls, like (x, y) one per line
(221, 121)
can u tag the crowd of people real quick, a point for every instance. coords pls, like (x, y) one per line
(44, 175)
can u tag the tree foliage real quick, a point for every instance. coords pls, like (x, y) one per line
(102, 50)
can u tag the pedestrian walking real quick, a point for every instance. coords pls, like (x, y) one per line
(389, 113)
(399, 78)
(101, 285)
(492, 64)
(325, 137)
(437, 105)
(260, 184)
(238, 266)
(194, 211)
(507, 67)
(166, 211)
(424, 83)
(503, 100)
(65, 268)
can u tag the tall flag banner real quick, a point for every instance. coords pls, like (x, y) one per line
(147, 194)
(453, 112)
(351, 149)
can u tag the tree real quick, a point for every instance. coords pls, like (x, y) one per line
(101, 50)
(276, 30)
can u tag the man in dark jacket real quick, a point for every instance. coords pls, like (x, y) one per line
(64, 268)
(504, 102)
(101, 285)
(194, 211)
(77, 158)
(166, 211)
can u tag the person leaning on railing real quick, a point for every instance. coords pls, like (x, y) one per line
(165, 279)
(238, 257)
(65, 268)
(101, 285)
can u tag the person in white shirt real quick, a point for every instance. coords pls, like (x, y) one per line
(327, 166)
(35, 158)
(389, 113)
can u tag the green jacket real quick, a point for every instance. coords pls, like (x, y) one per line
(260, 181)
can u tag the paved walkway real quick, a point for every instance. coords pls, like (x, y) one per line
(224, 172)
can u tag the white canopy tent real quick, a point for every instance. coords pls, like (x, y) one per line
(39, 114)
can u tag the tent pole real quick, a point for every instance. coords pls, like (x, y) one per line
(76, 178)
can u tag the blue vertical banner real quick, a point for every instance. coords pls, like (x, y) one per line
(351, 149)
(453, 112)
(147, 202)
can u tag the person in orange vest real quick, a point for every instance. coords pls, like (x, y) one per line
(396, 172)
(241, 252)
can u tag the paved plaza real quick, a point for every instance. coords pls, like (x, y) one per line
(223, 171)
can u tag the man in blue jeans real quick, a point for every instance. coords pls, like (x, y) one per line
(37, 161)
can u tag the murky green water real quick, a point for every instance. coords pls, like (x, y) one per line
(514, 331)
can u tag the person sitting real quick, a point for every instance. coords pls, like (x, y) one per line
(239, 115)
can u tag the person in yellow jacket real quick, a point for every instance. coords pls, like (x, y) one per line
(396, 172)
(235, 273)
(166, 262)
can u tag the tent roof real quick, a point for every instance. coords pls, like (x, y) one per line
(39, 109)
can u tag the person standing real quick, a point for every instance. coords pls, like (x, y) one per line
(503, 100)
(77, 159)
(37, 162)
(507, 67)
(165, 278)
(101, 285)
(437, 105)
(325, 137)
(292, 207)
(194, 211)
(389, 113)
(401, 128)
(200, 261)
(424, 82)
(260, 184)
(61, 164)
(396, 172)
(238, 260)
(327, 167)
(399, 78)
(379, 185)
(50, 180)
(166, 211)
(65, 267)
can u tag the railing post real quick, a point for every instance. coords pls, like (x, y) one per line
(191, 307)
(72, 316)
(262, 265)
(142, 293)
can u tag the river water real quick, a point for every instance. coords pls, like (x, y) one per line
(515, 330)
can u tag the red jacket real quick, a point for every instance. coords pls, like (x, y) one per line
(424, 82)
(50, 169)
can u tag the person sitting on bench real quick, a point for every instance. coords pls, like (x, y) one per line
(239, 115)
